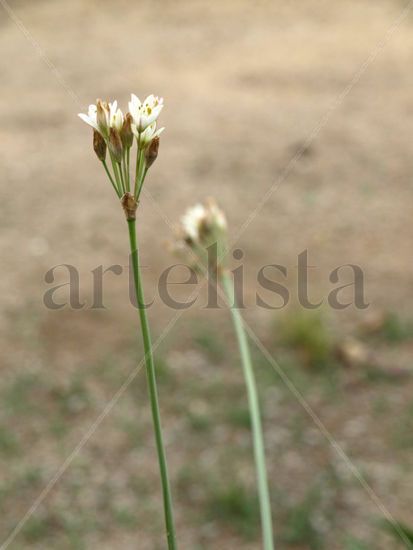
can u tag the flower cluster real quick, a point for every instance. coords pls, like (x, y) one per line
(204, 230)
(115, 132)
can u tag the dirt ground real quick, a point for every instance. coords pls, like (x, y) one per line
(297, 117)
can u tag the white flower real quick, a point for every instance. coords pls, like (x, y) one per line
(90, 118)
(147, 135)
(192, 221)
(204, 231)
(103, 116)
(216, 216)
(202, 219)
(144, 114)
(115, 117)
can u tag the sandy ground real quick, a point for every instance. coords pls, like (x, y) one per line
(247, 86)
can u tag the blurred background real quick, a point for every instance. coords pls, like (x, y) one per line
(256, 94)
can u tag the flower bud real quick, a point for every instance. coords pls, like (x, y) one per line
(126, 134)
(151, 152)
(115, 145)
(99, 145)
(102, 112)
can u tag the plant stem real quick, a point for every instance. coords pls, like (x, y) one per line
(121, 175)
(105, 166)
(258, 442)
(115, 173)
(140, 174)
(128, 166)
(153, 392)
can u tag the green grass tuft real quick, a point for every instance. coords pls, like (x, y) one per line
(395, 330)
(210, 344)
(355, 544)
(239, 416)
(18, 397)
(8, 442)
(299, 527)
(236, 507)
(125, 518)
(305, 332)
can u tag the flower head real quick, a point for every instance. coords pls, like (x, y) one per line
(204, 231)
(192, 221)
(147, 135)
(202, 223)
(115, 117)
(103, 116)
(144, 114)
(114, 132)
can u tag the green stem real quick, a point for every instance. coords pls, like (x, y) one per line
(139, 174)
(121, 176)
(128, 166)
(138, 156)
(142, 179)
(259, 453)
(153, 392)
(110, 177)
(124, 169)
(116, 174)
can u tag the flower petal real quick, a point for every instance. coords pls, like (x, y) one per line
(159, 132)
(88, 120)
(135, 100)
